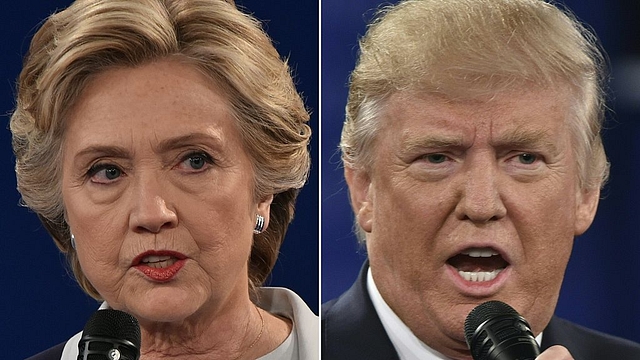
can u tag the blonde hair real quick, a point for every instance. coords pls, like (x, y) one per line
(462, 49)
(226, 45)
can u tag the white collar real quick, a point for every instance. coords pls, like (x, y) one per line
(302, 342)
(408, 346)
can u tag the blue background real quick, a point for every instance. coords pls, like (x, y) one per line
(41, 304)
(602, 285)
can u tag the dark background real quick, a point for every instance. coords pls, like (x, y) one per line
(42, 305)
(602, 285)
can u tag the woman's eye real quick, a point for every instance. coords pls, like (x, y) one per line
(112, 173)
(104, 173)
(527, 158)
(196, 161)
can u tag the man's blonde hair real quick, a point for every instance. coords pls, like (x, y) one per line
(473, 49)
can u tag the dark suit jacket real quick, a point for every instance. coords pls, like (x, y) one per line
(351, 330)
(51, 354)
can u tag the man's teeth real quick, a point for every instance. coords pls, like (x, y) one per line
(478, 276)
(480, 252)
(159, 262)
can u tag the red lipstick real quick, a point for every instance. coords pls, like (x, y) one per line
(160, 266)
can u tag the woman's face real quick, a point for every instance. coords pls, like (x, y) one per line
(157, 188)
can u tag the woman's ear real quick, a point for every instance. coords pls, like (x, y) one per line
(263, 209)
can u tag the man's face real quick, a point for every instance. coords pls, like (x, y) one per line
(467, 202)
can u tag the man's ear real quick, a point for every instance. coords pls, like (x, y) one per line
(586, 206)
(359, 184)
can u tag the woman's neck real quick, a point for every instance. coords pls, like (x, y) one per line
(242, 331)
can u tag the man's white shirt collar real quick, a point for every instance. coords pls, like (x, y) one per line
(408, 346)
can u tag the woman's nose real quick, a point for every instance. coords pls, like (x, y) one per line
(150, 210)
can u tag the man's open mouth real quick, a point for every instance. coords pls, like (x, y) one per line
(478, 264)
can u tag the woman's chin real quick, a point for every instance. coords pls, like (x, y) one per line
(164, 306)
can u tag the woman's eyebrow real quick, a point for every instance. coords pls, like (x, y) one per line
(103, 150)
(188, 139)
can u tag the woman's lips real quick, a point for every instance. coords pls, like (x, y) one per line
(161, 266)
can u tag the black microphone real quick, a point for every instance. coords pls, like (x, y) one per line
(110, 335)
(495, 331)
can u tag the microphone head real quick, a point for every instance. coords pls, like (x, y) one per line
(495, 331)
(484, 312)
(109, 330)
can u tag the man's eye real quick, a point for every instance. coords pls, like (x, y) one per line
(436, 158)
(527, 158)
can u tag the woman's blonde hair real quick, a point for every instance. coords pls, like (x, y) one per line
(465, 49)
(226, 45)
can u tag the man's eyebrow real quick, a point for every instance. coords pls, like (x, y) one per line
(517, 138)
(529, 138)
(411, 142)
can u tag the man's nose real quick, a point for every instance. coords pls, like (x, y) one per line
(480, 196)
(150, 207)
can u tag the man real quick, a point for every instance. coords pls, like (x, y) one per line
(473, 156)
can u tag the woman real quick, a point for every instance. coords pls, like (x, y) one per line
(162, 144)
